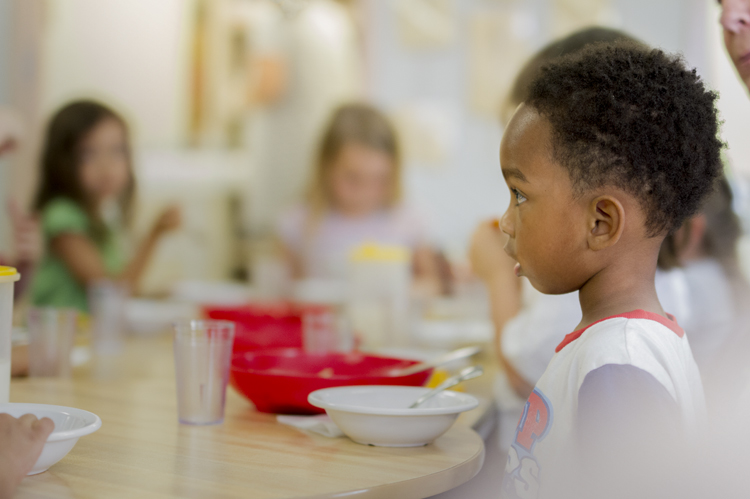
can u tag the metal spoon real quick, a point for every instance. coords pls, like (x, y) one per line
(465, 374)
(461, 353)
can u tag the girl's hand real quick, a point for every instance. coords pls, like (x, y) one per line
(21, 443)
(169, 220)
(27, 235)
(488, 258)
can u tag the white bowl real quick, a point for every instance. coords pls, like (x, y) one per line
(70, 425)
(380, 415)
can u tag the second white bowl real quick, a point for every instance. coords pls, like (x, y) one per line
(70, 425)
(380, 415)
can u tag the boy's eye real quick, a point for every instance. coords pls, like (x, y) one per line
(520, 198)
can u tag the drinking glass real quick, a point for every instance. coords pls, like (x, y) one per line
(51, 335)
(202, 356)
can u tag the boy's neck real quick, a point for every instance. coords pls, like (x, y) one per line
(618, 289)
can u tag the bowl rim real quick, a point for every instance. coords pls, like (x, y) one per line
(471, 402)
(93, 421)
(292, 374)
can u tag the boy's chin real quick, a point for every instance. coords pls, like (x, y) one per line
(549, 288)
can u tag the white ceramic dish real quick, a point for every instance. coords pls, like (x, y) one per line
(379, 415)
(70, 425)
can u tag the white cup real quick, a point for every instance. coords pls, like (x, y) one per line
(8, 276)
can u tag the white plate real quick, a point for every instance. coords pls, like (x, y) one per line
(380, 415)
(70, 425)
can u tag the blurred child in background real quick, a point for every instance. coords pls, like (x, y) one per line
(354, 198)
(27, 241)
(703, 253)
(21, 439)
(83, 200)
(26, 234)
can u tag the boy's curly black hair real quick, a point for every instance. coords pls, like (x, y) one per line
(636, 119)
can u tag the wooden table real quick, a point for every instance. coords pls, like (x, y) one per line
(141, 450)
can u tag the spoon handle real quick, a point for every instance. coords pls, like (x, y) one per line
(461, 353)
(466, 374)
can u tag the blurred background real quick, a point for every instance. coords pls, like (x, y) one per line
(226, 99)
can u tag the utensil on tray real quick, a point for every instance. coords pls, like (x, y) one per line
(461, 353)
(465, 374)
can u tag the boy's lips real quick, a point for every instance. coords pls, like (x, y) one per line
(517, 269)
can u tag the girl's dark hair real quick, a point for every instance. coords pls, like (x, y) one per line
(61, 156)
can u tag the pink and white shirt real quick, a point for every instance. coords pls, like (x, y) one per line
(323, 246)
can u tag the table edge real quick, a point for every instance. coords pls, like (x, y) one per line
(424, 486)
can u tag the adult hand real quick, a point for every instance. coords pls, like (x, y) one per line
(491, 264)
(21, 443)
(488, 258)
(27, 235)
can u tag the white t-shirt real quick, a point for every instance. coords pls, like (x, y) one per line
(645, 341)
(529, 339)
(324, 248)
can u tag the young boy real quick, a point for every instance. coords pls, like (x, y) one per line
(612, 150)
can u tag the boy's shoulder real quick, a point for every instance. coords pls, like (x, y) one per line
(644, 340)
(619, 329)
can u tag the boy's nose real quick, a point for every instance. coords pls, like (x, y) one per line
(506, 225)
(735, 15)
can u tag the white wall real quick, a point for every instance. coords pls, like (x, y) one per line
(133, 54)
(5, 37)
(5, 42)
(472, 173)
(468, 186)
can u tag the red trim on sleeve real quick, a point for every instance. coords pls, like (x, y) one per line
(670, 323)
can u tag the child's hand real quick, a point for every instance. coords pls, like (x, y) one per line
(169, 220)
(11, 131)
(19, 361)
(488, 258)
(27, 235)
(21, 443)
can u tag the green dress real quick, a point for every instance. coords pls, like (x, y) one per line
(53, 285)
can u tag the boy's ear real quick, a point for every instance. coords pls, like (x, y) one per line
(606, 222)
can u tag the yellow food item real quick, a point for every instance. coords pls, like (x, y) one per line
(440, 375)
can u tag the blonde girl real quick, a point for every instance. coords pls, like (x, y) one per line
(354, 197)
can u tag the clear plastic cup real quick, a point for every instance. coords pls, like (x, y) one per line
(202, 356)
(51, 335)
(325, 328)
(8, 276)
(319, 329)
(107, 304)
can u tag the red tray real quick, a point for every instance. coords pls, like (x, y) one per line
(279, 380)
(277, 325)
